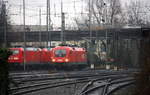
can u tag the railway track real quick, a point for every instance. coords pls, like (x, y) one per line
(60, 76)
(106, 87)
(60, 81)
(19, 76)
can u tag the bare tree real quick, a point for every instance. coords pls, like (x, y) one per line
(114, 11)
(102, 12)
(136, 13)
(98, 10)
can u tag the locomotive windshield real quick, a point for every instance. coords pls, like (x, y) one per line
(60, 53)
(15, 52)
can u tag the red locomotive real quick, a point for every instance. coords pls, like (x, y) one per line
(68, 56)
(32, 56)
(17, 55)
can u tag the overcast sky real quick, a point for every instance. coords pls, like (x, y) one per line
(32, 10)
(33, 6)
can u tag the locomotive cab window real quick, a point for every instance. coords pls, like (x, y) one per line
(15, 52)
(60, 53)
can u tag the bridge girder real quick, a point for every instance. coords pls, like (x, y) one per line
(33, 36)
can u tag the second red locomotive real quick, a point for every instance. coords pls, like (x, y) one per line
(68, 56)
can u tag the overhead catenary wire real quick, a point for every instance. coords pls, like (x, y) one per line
(55, 13)
(28, 8)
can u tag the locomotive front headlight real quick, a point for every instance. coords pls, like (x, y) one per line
(53, 60)
(66, 60)
(16, 58)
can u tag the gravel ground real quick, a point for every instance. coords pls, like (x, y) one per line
(129, 90)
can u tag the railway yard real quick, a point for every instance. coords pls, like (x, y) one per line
(86, 82)
(74, 47)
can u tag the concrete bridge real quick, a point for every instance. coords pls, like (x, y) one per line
(33, 36)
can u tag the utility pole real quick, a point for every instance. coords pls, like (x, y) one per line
(90, 20)
(62, 23)
(91, 58)
(63, 27)
(106, 37)
(47, 21)
(24, 14)
(106, 32)
(20, 10)
(40, 27)
(24, 65)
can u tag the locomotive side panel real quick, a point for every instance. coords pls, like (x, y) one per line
(45, 56)
(17, 55)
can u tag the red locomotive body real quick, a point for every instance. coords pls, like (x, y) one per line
(45, 56)
(32, 56)
(68, 55)
(17, 55)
